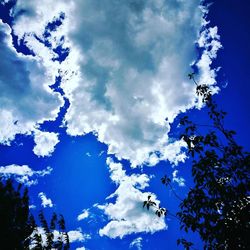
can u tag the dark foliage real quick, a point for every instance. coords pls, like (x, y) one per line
(18, 229)
(16, 224)
(159, 211)
(218, 205)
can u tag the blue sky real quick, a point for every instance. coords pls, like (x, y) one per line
(86, 87)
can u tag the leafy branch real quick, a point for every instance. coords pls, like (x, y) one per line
(218, 205)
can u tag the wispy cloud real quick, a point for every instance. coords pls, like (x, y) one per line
(136, 243)
(83, 215)
(88, 154)
(180, 180)
(46, 202)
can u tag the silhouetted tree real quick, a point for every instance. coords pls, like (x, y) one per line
(18, 229)
(16, 224)
(218, 205)
(56, 236)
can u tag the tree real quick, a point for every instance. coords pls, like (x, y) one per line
(218, 205)
(15, 225)
(55, 234)
(18, 229)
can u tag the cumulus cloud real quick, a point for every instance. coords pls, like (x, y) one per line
(23, 173)
(83, 215)
(126, 215)
(45, 143)
(77, 235)
(16, 170)
(136, 243)
(127, 67)
(133, 79)
(25, 98)
(179, 180)
(46, 202)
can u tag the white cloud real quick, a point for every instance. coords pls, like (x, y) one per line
(45, 143)
(136, 243)
(44, 172)
(83, 215)
(5, 1)
(23, 173)
(80, 248)
(101, 153)
(210, 41)
(16, 170)
(46, 202)
(25, 98)
(88, 154)
(179, 180)
(127, 67)
(77, 235)
(126, 215)
(138, 92)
